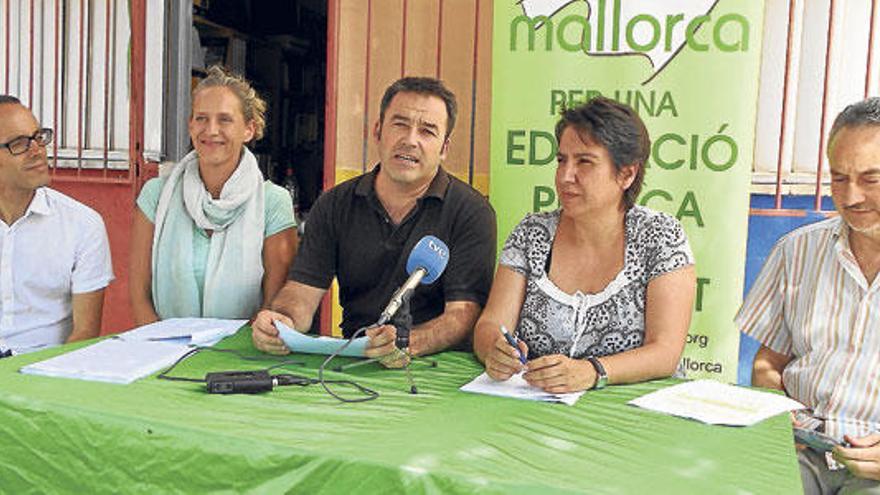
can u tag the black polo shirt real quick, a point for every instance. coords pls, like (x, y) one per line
(349, 235)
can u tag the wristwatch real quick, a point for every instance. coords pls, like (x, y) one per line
(601, 376)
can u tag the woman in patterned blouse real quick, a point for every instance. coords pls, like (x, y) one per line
(601, 285)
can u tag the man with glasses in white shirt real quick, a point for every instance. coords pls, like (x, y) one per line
(815, 309)
(54, 252)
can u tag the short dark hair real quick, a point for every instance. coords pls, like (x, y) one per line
(9, 99)
(619, 129)
(424, 86)
(863, 113)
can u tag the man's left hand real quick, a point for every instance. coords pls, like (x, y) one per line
(558, 374)
(381, 345)
(863, 458)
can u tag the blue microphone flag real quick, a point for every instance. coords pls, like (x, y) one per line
(431, 254)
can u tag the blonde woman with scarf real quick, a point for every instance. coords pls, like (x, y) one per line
(210, 236)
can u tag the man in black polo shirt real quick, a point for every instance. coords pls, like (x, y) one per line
(362, 232)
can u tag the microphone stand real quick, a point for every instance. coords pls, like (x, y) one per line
(402, 321)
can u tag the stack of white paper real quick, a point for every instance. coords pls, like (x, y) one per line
(717, 403)
(136, 353)
(517, 388)
(113, 360)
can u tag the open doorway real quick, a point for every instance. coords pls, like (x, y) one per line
(280, 46)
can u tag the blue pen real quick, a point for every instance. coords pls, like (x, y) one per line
(513, 341)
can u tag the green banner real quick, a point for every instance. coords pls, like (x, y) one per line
(690, 69)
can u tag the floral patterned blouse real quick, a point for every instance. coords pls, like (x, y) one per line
(608, 322)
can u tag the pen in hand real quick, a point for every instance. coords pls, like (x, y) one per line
(513, 341)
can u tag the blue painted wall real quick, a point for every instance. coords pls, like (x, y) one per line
(763, 233)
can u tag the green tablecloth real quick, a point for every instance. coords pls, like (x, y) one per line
(158, 436)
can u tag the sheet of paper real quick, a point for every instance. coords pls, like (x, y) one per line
(112, 360)
(194, 331)
(298, 342)
(517, 388)
(717, 403)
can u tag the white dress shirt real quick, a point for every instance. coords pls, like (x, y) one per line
(58, 248)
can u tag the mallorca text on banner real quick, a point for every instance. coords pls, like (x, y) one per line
(690, 69)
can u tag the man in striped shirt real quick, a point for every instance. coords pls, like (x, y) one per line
(815, 308)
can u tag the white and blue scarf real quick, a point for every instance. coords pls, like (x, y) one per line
(234, 271)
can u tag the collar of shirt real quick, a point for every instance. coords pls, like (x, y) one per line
(840, 234)
(39, 205)
(846, 257)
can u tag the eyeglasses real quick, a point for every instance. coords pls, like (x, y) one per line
(21, 144)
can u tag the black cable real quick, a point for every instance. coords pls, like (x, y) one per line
(302, 381)
(369, 394)
(195, 350)
(164, 375)
(281, 379)
(291, 379)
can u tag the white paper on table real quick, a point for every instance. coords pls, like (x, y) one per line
(516, 387)
(717, 403)
(193, 331)
(112, 360)
(298, 342)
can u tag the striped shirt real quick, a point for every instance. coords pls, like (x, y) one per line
(812, 302)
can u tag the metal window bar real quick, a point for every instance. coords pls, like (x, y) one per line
(785, 78)
(817, 202)
(70, 75)
(871, 33)
(826, 95)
